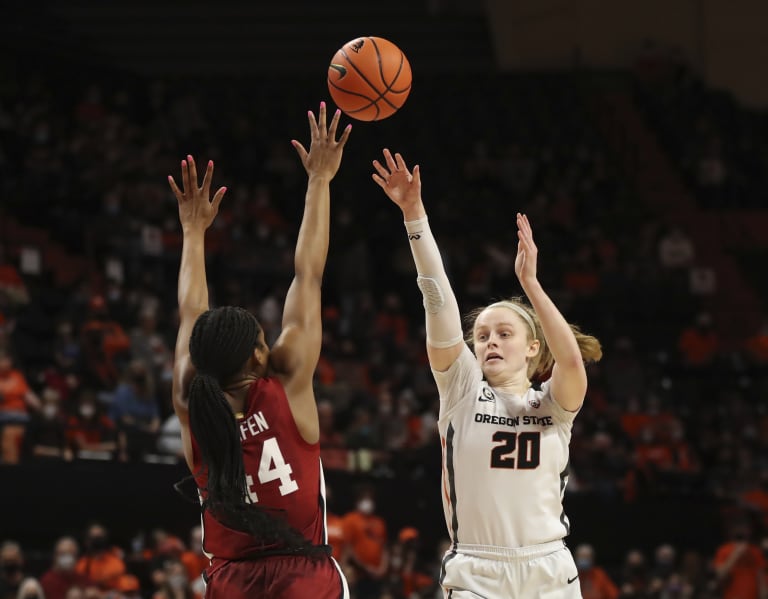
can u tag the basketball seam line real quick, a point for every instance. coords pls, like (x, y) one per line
(373, 87)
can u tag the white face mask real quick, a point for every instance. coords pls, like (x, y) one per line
(365, 506)
(65, 561)
(87, 411)
(50, 411)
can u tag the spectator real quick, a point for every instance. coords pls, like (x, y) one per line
(175, 582)
(66, 349)
(412, 580)
(334, 526)
(103, 563)
(362, 432)
(169, 439)
(635, 579)
(755, 499)
(195, 560)
(61, 576)
(90, 433)
(595, 582)
(740, 566)
(676, 249)
(103, 342)
(134, 410)
(46, 435)
(30, 589)
(702, 280)
(699, 344)
(332, 449)
(694, 576)
(11, 569)
(13, 290)
(16, 397)
(664, 571)
(149, 346)
(366, 537)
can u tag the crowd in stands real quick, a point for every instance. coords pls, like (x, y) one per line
(718, 144)
(379, 564)
(89, 249)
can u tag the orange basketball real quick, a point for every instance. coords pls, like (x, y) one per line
(369, 78)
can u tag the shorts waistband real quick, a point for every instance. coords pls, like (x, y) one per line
(510, 554)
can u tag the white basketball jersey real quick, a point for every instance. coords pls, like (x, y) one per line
(505, 460)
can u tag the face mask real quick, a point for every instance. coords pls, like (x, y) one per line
(50, 411)
(584, 563)
(177, 581)
(365, 506)
(65, 561)
(87, 411)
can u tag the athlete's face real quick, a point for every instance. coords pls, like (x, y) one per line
(503, 343)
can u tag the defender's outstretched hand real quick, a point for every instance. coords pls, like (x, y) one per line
(324, 156)
(196, 208)
(527, 252)
(400, 185)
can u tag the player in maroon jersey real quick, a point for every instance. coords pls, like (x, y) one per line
(249, 421)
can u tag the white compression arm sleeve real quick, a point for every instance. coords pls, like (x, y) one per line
(442, 311)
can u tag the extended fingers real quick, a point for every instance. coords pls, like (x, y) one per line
(334, 125)
(300, 149)
(207, 178)
(390, 161)
(313, 132)
(175, 189)
(384, 173)
(417, 176)
(185, 184)
(524, 226)
(218, 197)
(192, 172)
(381, 182)
(400, 162)
(345, 136)
(321, 119)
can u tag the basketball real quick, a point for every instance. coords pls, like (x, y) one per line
(369, 78)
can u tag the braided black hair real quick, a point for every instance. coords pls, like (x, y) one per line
(222, 341)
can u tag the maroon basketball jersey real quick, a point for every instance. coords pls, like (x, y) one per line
(283, 473)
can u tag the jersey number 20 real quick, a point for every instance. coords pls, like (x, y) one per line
(526, 445)
(272, 466)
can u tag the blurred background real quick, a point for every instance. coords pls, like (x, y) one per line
(634, 135)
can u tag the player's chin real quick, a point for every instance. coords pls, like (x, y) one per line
(493, 366)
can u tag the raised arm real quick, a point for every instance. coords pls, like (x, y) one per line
(569, 376)
(443, 320)
(296, 352)
(196, 213)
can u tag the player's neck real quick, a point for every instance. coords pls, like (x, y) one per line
(516, 384)
(236, 391)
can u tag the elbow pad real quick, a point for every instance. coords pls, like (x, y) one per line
(443, 320)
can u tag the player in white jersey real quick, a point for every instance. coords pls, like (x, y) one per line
(505, 440)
